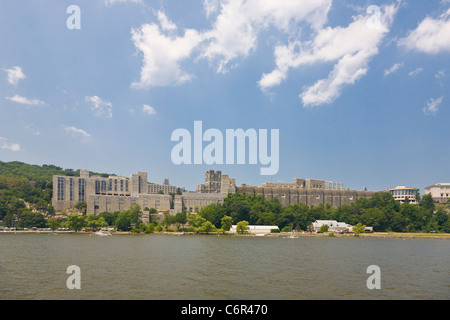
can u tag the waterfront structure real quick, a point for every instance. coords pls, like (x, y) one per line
(440, 192)
(256, 229)
(401, 193)
(333, 225)
(106, 194)
(115, 193)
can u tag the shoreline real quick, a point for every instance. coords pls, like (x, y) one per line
(382, 235)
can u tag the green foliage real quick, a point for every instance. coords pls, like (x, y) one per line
(242, 226)
(381, 212)
(75, 222)
(323, 228)
(359, 228)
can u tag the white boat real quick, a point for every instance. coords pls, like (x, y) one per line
(102, 233)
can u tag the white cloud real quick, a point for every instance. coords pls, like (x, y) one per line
(23, 100)
(236, 29)
(233, 34)
(165, 23)
(432, 106)
(76, 131)
(394, 68)
(4, 144)
(100, 107)
(149, 110)
(162, 55)
(351, 48)
(415, 72)
(15, 74)
(439, 76)
(430, 36)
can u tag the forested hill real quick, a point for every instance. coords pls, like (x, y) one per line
(34, 172)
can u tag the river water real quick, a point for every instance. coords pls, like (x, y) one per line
(166, 267)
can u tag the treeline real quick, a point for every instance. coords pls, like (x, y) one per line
(380, 211)
(26, 192)
(38, 174)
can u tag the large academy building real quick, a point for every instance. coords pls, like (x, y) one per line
(119, 193)
(109, 194)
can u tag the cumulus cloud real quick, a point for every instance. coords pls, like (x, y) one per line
(432, 106)
(163, 53)
(236, 26)
(350, 48)
(431, 35)
(100, 107)
(233, 34)
(149, 110)
(23, 100)
(236, 29)
(15, 74)
(4, 144)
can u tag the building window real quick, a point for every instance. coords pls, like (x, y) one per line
(60, 188)
(71, 189)
(81, 189)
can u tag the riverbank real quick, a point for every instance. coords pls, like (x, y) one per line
(390, 235)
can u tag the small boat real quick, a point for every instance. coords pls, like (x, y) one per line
(102, 233)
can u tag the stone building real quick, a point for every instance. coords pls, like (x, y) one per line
(106, 194)
(215, 182)
(310, 197)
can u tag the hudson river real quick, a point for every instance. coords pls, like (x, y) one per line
(165, 267)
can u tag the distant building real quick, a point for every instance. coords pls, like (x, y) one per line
(401, 193)
(440, 192)
(307, 184)
(256, 229)
(215, 182)
(108, 194)
(333, 225)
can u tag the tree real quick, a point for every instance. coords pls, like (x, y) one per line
(181, 218)
(123, 221)
(75, 222)
(54, 224)
(81, 206)
(227, 222)
(30, 219)
(359, 228)
(95, 222)
(207, 227)
(427, 202)
(242, 226)
(323, 228)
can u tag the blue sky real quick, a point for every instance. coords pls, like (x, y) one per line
(359, 97)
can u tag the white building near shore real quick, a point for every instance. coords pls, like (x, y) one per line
(256, 229)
